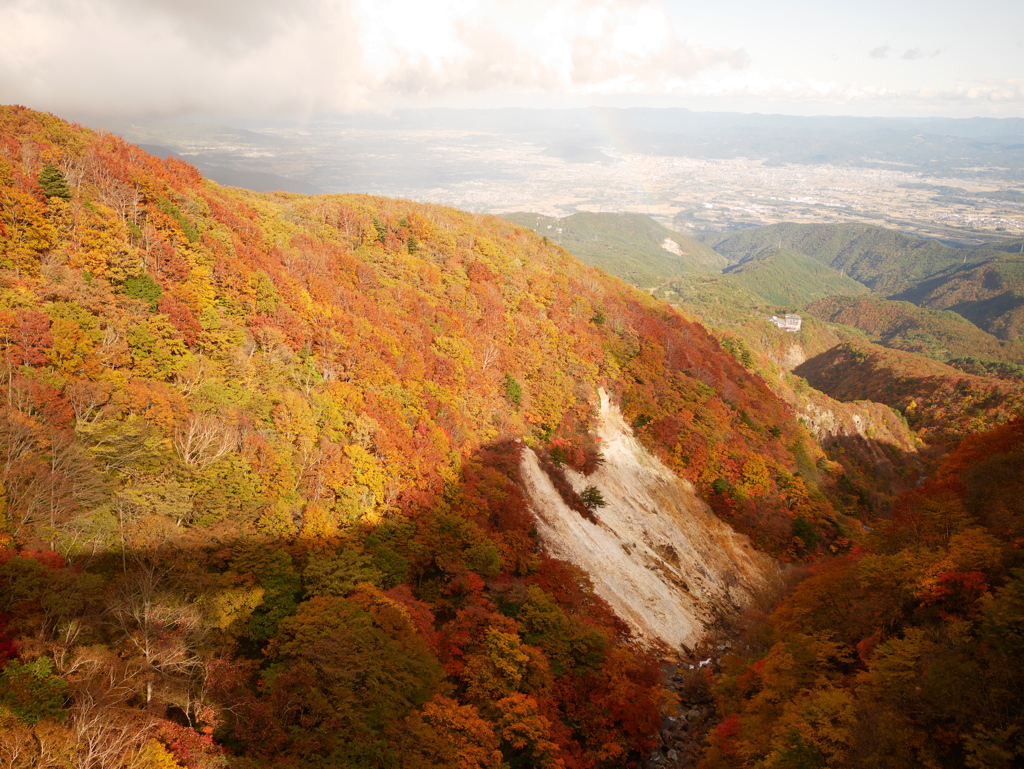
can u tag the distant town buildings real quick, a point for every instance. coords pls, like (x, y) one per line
(787, 322)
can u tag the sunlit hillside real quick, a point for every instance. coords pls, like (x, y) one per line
(632, 246)
(260, 472)
(886, 261)
(944, 335)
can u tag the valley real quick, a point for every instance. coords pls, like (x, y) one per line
(348, 480)
(682, 173)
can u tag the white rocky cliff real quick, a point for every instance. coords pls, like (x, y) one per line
(658, 555)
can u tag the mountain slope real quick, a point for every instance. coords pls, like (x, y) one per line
(633, 247)
(905, 326)
(657, 554)
(877, 659)
(990, 295)
(790, 278)
(940, 402)
(886, 261)
(260, 471)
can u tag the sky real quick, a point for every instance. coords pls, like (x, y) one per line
(138, 59)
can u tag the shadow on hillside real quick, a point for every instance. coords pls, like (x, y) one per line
(919, 291)
(876, 473)
(984, 312)
(880, 454)
(850, 373)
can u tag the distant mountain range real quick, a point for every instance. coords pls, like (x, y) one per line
(990, 294)
(790, 265)
(950, 317)
(930, 144)
(984, 285)
(938, 334)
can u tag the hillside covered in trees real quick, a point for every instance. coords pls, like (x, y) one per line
(907, 370)
(943, 335)
(886, 261)
(983, 285)
(990, 295)
(905, 652)
(263, 502)
(259, 473)
(634, 247)
(941, 403)
(787, 278)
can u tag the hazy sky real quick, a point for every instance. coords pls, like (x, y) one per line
(139, 58)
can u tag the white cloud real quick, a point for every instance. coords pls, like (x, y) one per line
(754, 87)
(910, 54)
(571, 46)
(139, 57)
(167, 57)
(1006, 91)
(160, 57)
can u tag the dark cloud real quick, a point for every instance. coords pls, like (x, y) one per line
(912, 54)
(881, 52)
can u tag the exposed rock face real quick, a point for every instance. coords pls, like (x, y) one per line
(664, 562)
(672, 247)
(793, 356)
(867, 424)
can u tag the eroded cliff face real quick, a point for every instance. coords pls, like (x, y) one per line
(657, 554)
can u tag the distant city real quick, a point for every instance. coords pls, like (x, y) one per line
(957, 180)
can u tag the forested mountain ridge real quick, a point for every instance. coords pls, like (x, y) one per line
(941, 403)
(872, 444)
(632, 246)
(943, 335)
(990, 295)
(248, 435)
(787, 278)
(984, 285)
(905, 653)
(886, 261)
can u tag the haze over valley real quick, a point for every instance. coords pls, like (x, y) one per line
(954, 179)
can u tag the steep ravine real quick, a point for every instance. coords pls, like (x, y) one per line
(657, 554)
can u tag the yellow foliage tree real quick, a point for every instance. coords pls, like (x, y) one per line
(25, 231)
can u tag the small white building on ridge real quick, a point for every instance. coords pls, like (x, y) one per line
(787, 322)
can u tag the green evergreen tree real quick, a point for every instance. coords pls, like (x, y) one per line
(145, 288)
(513, 390)
(31, 691)
(592, 498)
(53, 182)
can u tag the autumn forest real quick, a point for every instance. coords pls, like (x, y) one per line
(262, 505)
